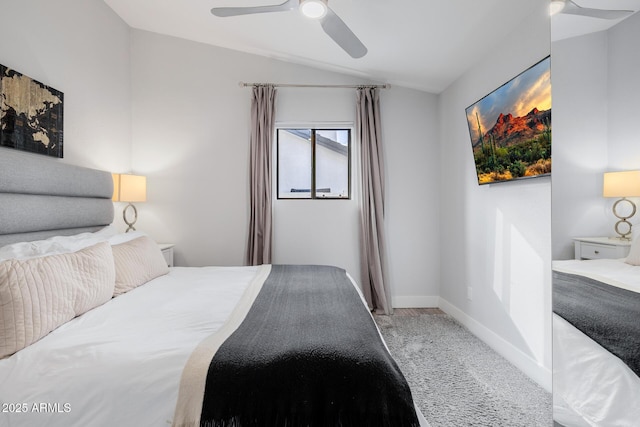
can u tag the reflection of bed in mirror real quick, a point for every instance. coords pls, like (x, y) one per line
(596, 341)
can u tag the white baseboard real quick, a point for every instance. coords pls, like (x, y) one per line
(415, 302)
(530, 367)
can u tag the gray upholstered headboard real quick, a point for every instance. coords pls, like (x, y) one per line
(41, 197)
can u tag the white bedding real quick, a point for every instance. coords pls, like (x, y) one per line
(592, 387)
(137, 343)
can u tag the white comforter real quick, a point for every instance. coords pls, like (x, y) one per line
(120, 364)
(592, 387)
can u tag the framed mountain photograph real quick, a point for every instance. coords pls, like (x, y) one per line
(31, 114)
(510, 128)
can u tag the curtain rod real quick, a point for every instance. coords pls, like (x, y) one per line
(383, 86)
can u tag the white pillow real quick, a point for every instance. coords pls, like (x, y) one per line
(37, 295)
(137, 261)
(634, 253)
(65, 244)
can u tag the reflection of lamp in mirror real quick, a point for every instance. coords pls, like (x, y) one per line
(623, 185)
(129, 188)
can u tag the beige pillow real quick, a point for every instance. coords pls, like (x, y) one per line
(137, 261)
(39, 294)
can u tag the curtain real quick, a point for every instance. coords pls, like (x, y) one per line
(260, 193)
(372, 243)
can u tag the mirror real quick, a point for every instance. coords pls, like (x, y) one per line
(596, 91)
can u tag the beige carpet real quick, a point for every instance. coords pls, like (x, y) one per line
(457, 380)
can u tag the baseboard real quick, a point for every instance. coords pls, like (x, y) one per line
(415, 302)
(530, 367)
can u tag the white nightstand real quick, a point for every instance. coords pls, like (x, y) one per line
(600, 247)
(167, 252)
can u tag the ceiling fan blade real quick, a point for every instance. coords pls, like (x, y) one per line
(573, 9)
(342, 35)
(224, 12)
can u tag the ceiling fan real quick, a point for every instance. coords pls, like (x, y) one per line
(314, 9)
(571, 8)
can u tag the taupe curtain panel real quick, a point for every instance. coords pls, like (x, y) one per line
(260, 221)
(373, 260)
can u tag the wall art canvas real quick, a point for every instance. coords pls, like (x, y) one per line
(510, 128)
(31, 114)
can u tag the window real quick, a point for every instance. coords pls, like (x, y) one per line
(314, 163)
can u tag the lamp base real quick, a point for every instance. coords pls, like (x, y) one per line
(623, 219)
(627, 225)
(135, 217)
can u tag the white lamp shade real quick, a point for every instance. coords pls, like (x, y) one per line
(116, 187)
(621, 184)
(129, 188)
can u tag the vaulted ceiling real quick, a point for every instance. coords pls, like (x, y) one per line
(415, 43)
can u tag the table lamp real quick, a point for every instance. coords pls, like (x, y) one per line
(129, 188)
(623, 185)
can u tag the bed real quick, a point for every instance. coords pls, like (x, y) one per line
(596, 341)
(97, 330)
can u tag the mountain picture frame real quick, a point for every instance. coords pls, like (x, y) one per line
(510, 128)
(31, 114)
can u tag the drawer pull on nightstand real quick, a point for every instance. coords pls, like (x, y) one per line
(597, 252)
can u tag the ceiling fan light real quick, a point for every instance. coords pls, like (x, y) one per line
(314, 9)
(556, 7)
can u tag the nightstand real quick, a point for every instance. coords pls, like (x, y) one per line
(600, 247)
(167, 252)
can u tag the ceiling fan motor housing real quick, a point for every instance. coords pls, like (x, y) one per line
(314, 9)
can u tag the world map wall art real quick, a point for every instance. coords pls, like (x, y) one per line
(30, 114)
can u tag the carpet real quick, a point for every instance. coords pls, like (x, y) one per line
(457, 380)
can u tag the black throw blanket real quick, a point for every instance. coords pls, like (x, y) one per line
(607, 314)
(308, 354)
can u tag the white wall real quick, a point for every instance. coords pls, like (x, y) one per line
(496, 239)
(413, 185)
(81, 49)
(623, 141)
(579, 78)
(624, 95)
(191, 137)
(595, 98)
(316, 231)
